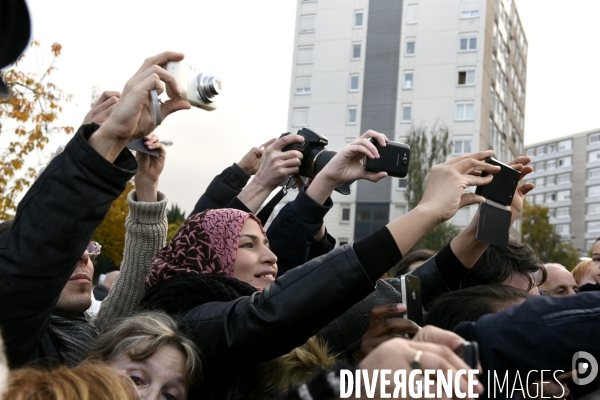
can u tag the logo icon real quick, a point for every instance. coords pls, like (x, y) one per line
(583, 367)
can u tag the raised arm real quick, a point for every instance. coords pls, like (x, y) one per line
(146, 232)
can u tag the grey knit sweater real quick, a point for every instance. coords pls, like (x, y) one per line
(146, 232)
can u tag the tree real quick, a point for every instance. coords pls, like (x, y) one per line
(540, 234)
(28, 119)
(111, 232)
(428, 147)
(175, 218)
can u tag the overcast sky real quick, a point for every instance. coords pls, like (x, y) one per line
(249, 45)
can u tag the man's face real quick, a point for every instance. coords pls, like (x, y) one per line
(76, 296)
(560, 282)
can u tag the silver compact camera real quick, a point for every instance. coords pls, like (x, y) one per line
(199, 88)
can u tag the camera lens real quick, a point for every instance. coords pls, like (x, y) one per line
(404, 160)
(208, 87)
(315, 160)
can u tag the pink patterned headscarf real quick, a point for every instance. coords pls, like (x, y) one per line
(206, 243)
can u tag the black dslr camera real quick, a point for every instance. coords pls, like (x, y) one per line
(315, 156)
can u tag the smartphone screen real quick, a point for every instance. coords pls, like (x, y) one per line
(411, 298)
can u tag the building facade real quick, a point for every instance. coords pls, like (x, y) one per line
(567, 181)
(391, 66)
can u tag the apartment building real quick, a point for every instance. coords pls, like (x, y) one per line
(567, 181)
(393, 65)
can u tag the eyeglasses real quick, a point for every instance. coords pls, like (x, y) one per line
(94, 248)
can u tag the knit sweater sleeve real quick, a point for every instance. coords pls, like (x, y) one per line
(145, 234)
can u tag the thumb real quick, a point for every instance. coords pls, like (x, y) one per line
(171, 106)
(375, 176)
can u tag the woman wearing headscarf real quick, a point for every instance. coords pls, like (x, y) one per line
(219, 274)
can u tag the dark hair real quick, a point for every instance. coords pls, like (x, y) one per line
(418, 255)
(6, 225)
(498, 263)
(451, 308)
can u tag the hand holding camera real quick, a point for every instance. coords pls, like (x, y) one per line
(347, 166)
(102, 109)
(130, 117)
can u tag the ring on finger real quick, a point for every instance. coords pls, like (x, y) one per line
(416, 362)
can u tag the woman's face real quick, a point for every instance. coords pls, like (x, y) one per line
(160, 377)
(255, 263)
(595, 268)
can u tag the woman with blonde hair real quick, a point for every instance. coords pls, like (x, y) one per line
(154, 353)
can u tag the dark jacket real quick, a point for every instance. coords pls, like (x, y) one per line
(542, 333)
(222, 189)
(242, 333)
(53, 225)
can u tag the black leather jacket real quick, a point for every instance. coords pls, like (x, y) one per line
(240, 334)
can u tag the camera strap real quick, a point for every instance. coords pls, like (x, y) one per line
(267, 210)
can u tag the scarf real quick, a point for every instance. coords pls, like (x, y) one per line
(206, 243)
(74, 336)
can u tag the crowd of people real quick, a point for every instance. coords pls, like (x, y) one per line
(229, 310)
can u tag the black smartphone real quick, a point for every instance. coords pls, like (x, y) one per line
(411, 298)
(502, 188)
(394, 159)
(469, 352)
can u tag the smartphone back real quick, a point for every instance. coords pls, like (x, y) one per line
(394, 159)
(502, 188)
(411, 298)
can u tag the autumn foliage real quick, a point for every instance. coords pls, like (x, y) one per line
(28, 119)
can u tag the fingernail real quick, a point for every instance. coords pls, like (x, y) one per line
(400, 307)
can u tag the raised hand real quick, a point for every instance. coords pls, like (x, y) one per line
(130, 118)
(150, 168)
(251, 161)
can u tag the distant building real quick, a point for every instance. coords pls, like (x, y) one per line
(389, 65)
(567, 180)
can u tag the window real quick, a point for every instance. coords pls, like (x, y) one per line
(550, 197)
(551, 164)
(594, 173)
(305, 55)
(467, 44)
(550, 180)
(593, 226)
(563, 178)
(356, 51)
(410, 47)
(541, 166)
(303, 85)
(402, 183)
(343, 241)
(358, 19)
(562, 195)
(307, 23)
(469, 8)
(563, 229)
(551, 148)
(345, 214)
(300, 117)
(540, 150)
(411, 13)
(539, 182)
(352, 115)
(462, 146)
(408, 80)
(594, 138)
(593, 191)
(407, 113)
(466, 78)
(564, 162)
(464, 111)
(563, 212)
(594, 156)
(354, 83)
(530, 152)
(564, 145)
(539, 199)
(593, 209)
